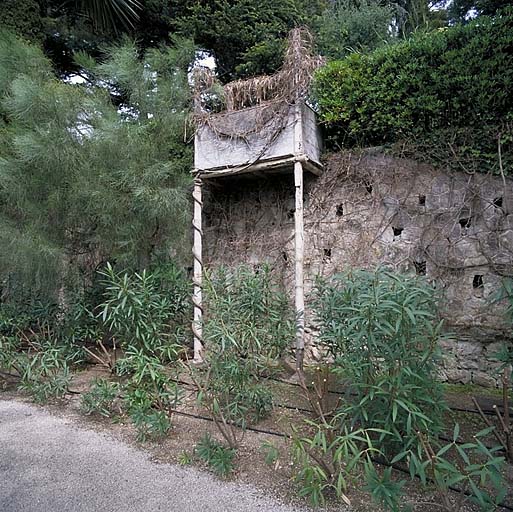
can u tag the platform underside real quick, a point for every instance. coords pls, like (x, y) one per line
(262, 167)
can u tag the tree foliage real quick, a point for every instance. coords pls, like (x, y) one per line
(108, 14)
(81, 181)
(462, 10)
(237, 32)
(345, 27)
(22, 17)
(416, 15)
(244, 38)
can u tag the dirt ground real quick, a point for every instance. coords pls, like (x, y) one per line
(250, 466)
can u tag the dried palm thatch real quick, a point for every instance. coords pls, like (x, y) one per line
(258, 110)
(288, 85)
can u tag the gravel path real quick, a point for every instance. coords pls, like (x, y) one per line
(47, 464)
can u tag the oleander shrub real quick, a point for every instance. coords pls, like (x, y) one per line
(101, 398)
(216, 455)
(247, 312)
(36, 353)
(147, 311)
(382, 332)
(147, 314)
(249, 326)
(44, 366)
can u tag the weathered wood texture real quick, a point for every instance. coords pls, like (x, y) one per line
(299, 239)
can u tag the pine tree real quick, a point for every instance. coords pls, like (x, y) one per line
(85, 179)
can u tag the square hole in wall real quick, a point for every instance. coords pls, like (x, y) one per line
(498, 202)
(326, 254)
(420, 268)
(422, 200)
(397, 231)
(340, 210)
(465, 223)
(478, 285)
(368, 186)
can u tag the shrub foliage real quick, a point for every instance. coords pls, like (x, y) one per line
(382, 331)
(450, 88)
(248, 325)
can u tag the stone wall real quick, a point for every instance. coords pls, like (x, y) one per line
(369, 209)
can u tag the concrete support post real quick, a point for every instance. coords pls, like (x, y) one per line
(299, 277)
(197, 251)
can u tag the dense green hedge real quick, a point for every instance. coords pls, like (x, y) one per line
(434, 87)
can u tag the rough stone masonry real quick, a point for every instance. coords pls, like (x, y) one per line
(369, 209)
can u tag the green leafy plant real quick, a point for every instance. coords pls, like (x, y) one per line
(44, 364)
(101, 398)
(345, 27)
(10, 370)
(417, 93)
(329, 459)
(144, 314)
(271, 453)
(36, 353)
(46, 378)
(383, 488)
(185, 458)
(150, 424)
(232, 394)
(218, 457)
(382, 330)
(248, 327)
(248, 313)
(471, 467)
(237, 393)
(151, 394)
(125, 194)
